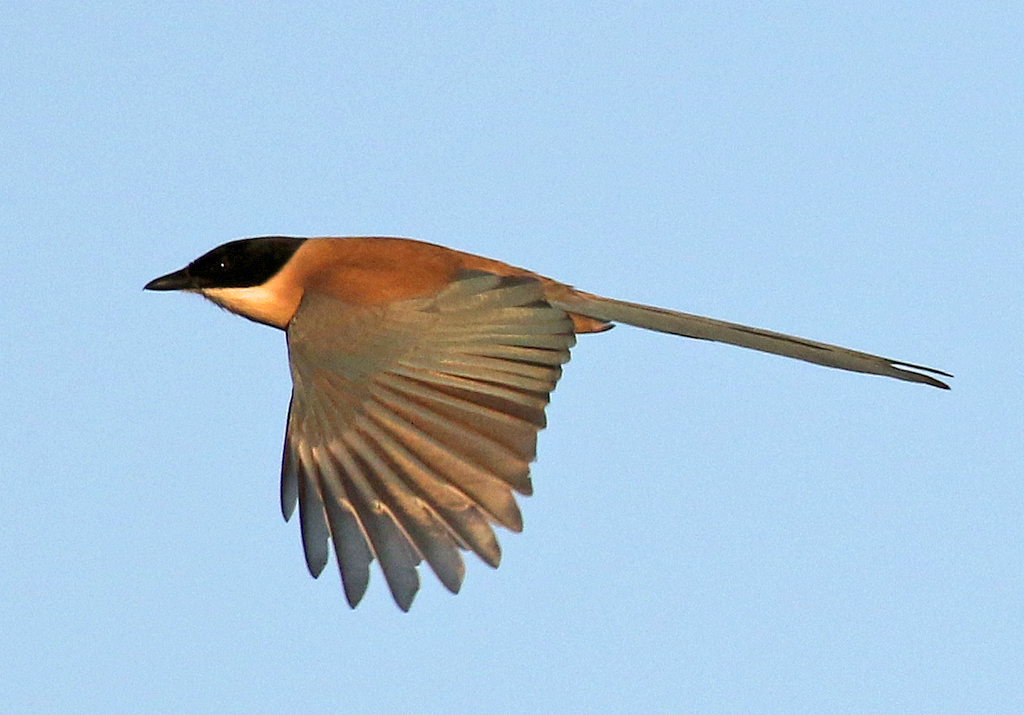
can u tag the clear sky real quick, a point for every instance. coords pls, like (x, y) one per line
(713, 530)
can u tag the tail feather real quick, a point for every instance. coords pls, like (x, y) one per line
(695, 326)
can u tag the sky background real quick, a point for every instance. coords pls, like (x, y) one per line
(713, 530)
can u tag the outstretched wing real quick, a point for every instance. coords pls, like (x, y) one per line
(411, 424)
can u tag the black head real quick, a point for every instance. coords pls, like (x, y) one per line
(239, 264)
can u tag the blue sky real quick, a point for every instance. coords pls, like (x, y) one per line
(712, 531)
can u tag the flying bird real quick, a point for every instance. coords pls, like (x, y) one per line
(420, 379)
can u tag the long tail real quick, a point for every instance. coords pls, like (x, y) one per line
(695, 326)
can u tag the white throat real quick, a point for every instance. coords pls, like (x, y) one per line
(260, 303)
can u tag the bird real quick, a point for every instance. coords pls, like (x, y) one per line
(420, 377)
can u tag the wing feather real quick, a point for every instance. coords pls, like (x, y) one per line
(351, 546)
(458, 511)
(427, 532)
(528, 406)
(491, 493)
(517, 434)
(395, 554)
(467, 440)
(312, 517)
(289, 477)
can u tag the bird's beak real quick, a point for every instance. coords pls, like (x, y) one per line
(179, 280)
